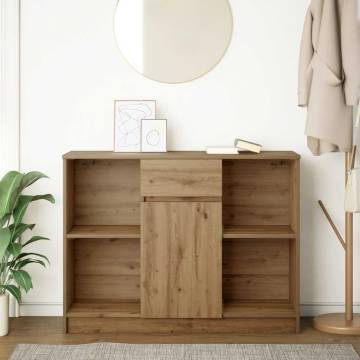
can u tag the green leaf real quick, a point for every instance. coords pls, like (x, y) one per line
(5, 237)
(47, 197)
(15, 249)
(21, 256)
(9, 191)
(20, 229)
(23, 203)
(31, 177)
(34, 239)
(13, 290)
(4, 220)
(20, 209)
(23, 263)
(22, 278)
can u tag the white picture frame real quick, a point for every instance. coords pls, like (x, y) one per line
(154, 135)
(128, 115)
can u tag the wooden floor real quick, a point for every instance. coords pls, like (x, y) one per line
(48, 330)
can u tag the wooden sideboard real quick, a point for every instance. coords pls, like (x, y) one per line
(181, 242)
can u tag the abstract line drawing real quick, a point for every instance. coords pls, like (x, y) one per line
(128, 116)
(153, 138)
(153, 135)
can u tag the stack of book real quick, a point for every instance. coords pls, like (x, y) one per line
(239, 146)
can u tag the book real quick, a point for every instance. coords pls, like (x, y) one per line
(227, 150)
(247, 145)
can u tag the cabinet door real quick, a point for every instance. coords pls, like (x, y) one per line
(181, 257)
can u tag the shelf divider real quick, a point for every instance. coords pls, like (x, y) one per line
(258, 310)
(103, 309)
(259, 232)
(104, 231)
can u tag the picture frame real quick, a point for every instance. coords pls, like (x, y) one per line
(128, 115)
(154, 135)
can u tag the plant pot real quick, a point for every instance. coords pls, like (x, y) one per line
(4, 314)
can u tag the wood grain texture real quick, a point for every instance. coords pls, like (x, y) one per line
(183, 198)
(294, 265)
(260, 195)
(181, 326)
(256, 270)
(48, 330)
(102, 309)
(180, 155)
(181, 260)
(107, 231)
(107, 257)
(107, 269)
(256, 192)
(256, 257)
(181, 178)
(119, 287)
(235, 310)
(259, 232)
(338, 324)
(256, 288)
(231, 310)
(107, 192)
(68, 219)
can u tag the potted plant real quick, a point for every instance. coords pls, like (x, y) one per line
(14, 253)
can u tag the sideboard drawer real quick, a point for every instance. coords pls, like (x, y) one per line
(193, 178)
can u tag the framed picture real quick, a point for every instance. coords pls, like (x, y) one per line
(153, 135)
(128, 115)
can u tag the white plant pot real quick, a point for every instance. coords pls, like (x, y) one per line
(4, 314)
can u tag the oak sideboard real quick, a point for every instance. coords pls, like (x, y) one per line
(181, 242)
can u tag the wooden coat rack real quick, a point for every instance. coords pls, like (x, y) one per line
(340, 323)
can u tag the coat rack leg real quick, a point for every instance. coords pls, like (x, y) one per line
(348, 252)
(329, 219)
(344, 323)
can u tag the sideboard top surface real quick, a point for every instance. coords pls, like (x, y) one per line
(194, 155)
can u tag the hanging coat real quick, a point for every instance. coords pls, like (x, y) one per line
(329, 73)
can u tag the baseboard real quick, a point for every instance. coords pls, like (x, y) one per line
(41, 309)
(315, 309)
(55, 309)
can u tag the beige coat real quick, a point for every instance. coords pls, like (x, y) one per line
(329, 73)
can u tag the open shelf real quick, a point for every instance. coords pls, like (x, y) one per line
(103, 309)
(133, 232)
(258, 232)
(104, 232)
(258, 310)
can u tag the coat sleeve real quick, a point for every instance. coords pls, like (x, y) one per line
(350, 48)
(306, 55)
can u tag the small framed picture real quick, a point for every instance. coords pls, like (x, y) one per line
(153, 135)
(127, 123)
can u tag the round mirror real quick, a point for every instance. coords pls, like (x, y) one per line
(173, 41)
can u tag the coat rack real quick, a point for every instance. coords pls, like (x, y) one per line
(340, 323)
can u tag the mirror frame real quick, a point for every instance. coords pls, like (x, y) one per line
(216, 63)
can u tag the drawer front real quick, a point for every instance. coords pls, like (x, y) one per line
(193, 178)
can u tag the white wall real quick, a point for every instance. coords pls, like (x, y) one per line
(72, 71)
(9, 95)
